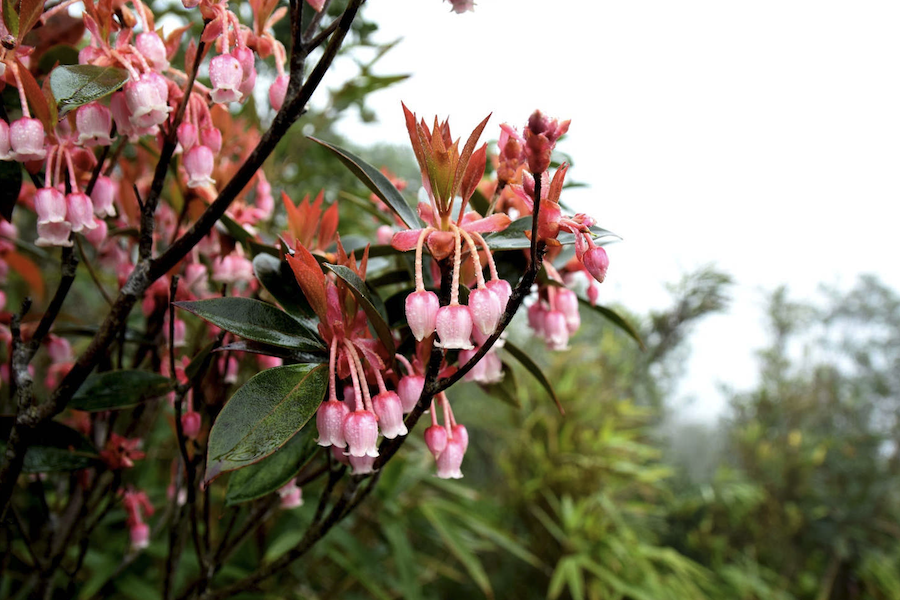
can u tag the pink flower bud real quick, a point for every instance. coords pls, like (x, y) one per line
(361, 433)
(121, 114)
(94, 122)
(278, 91)
(596, 262)
(436, 439)
(485, 309)
(226, 74)
(26, 137)
(362, 465)
(410, 389)
(96, 235)
(593, 293)
(390, 414)
(536, 314)
(567, 304)
(291, 495)
(460, 433)
(421, 313)
(211, 138)
(454, 326)
(246, 87)
(556, 332)
(146, 100)
(50, 205)
(6, 152)
(103, 196)
(59, 349)
(338, 455)
(140, 536)
(330, 423)
(187, 136)
(492, 368)
(54, 234)
(476, 372)
(233, 268)
(199, 164)
(503, 290)
(80, 211)
(450, 460)
(190, 424)
(152, 48)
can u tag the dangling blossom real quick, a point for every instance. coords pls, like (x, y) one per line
(291, 495)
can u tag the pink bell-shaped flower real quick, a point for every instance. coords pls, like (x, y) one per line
(485, 308)
(187, 136)
(362, 465)
(140, 535)
(450, 460)
(330, 423)
(596, 262)
(536, 314)
(503, 290)
(152, 48)
(96, 235)
(492, 368)
(421, 313)
(94, 122)
(226, 74)
(199, 164)
(410, 389)
(146, 99)
(567, 304)
(291, 495)
(454, 326)
(361, 433)
(80, 211)
(390, 414)
(103, 196)
(6, 152)
(278, 91)
(54, 234)
(436, 439)
(211, 138)
(556, 331)
(593, 294)
(476, 373)
(247, 60)
(50, 205)
(191, 423)
(462, 434)
(231, 269)
(26, 137)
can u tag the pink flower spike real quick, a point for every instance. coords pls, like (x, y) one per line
(26, 137)
(485, 308)
(450, 460)
(503, 290)
(50, 205)
(103, 196)
(226, 74)
(421, 313)
(80, 211)
(199, 163)
(6, 152)
(390, 414)
(330, 423)
(436, 439)
(152, 48)
(454, 326)
(278, 91)
(360, 429)
(556, 331)
(410, 389)
(54, 234)
(94, 122)
(596, 262)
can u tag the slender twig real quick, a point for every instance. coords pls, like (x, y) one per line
(91, 271)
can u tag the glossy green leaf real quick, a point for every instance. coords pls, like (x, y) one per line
(11, 176)
(75, 85)
(62, 54)
(118, 389)
(11, 17)
(256, 321)
(506, 389)
(236, 231)
(55, 447)
(199, 360)
(513, 237)
(277, 277)
(378, 183)
(295, 356)
(274, 471)
(369, 301)
(616, 319)
(263, 415)
(533, 368)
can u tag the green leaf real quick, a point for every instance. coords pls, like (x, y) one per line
(193, 368)
(369, 301)
(11, 176)
(378, 183)
(616, 319)
(404, 557)
(294, 356)
(75, 85)
(11, 17)
(255, 321)
(535, 370)
(62, 54)
(263, 415)
(236, 231)
(118, 389)
(457, 547)
(272, 472)
(506, 389)
(277, 277)
(54, 447)
(513, 237)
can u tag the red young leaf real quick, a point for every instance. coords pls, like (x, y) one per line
(35, 97)
(29, 13)
(311, 279)
(28, 271)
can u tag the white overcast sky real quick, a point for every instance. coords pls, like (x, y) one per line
(762, 136)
